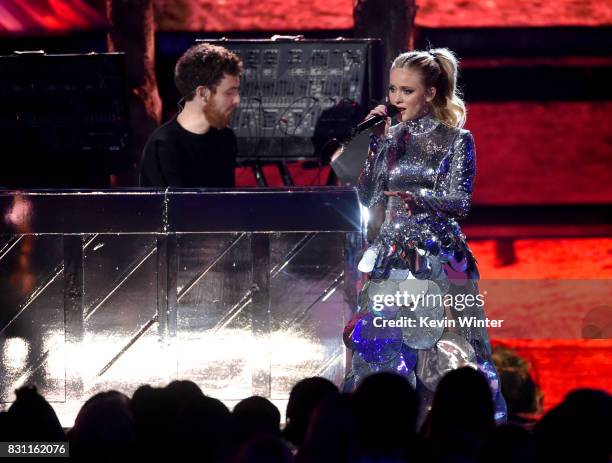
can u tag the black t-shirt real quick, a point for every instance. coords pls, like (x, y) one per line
(176, 157)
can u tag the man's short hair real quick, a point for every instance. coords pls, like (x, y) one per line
(204, 64)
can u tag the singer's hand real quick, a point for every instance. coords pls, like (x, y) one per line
(406, 197)
(382, 128)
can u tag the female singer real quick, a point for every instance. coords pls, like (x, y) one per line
(420, 313)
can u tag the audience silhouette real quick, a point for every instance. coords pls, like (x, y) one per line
(375, 424)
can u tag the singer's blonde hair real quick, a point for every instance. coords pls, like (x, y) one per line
(439, 69)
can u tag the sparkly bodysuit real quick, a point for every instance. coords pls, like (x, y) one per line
(421, 252)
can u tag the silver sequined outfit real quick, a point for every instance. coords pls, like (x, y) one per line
(423, 252)
(436, 164)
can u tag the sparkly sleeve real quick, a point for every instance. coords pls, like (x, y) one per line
(452, 194)
(373, 177)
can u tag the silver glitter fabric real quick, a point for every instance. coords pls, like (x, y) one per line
(403, 364)
(426, 328)
(450, 352)
(423, 253)
(433, 162)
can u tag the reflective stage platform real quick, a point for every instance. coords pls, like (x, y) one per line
(243, 292)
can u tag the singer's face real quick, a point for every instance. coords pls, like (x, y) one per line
(223, 101)
(407, 91)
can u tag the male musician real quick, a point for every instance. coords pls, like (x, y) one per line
(196, 148)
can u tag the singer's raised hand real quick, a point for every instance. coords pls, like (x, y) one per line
(382, 128)
(407, 197)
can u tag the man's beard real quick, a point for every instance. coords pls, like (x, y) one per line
(216, 118)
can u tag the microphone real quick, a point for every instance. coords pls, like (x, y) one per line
(370, 122)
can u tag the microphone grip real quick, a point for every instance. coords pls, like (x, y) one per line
(369, 123)
(375, 120)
